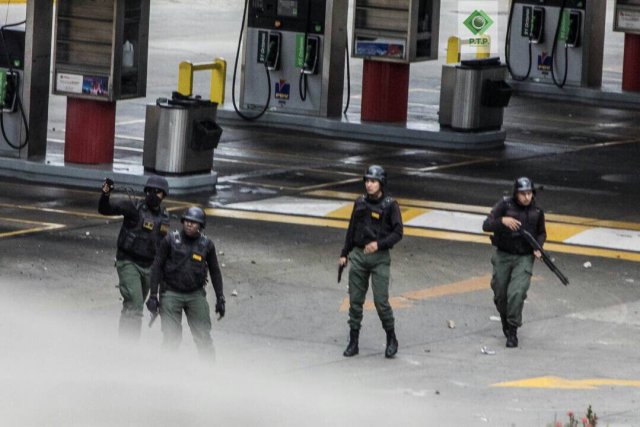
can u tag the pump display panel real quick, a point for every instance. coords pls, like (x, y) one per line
(288, 8)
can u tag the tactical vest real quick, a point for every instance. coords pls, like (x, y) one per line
(513, 242)
(369, 219)
(140, 239)
(186, 267)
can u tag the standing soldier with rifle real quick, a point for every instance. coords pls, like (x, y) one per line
(145, 223)
(375, 227)
(513, 258)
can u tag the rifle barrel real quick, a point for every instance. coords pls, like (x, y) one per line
(547, 260)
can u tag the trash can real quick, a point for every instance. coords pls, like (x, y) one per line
(473, 95)
(180, 135)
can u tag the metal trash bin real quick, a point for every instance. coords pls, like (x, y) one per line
(473, 95)
(180, 135)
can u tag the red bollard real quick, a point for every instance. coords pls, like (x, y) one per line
(90, 131)
(385, 91)
(631, 63)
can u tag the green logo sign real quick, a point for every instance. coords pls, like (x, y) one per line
(478, 22)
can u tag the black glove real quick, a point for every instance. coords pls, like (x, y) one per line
(153, 304)
(220, 306)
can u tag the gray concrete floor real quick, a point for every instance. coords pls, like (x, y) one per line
(279, 349)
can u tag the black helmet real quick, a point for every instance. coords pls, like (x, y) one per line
(376, 172)
(157, 182)
(195, 214)
(523, 184)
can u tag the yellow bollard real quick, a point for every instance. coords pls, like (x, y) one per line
(218, 78)
(453, 50)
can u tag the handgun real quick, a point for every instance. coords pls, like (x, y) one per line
(340, 270)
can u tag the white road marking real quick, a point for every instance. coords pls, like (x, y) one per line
(291, 205)
(447, 220)
(438, 219)
(611, 238)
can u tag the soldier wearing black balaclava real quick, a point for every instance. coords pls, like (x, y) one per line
(145, 223)
(513, 257)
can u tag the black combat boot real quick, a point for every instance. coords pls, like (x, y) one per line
(392, 344)
(352, 347)
(512, 337)
(505, 325)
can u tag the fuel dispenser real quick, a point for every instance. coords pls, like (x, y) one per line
(101, 49)
(401, 31)
(389, 35)
(100, 57)
(14, 129)
(556, 41)
(626, 19)
(293, 57)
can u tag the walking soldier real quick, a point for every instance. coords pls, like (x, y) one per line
(513, 257)
(375, 227)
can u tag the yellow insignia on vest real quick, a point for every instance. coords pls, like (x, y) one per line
(164, 228)
(375, 215)
(197, 257)
(148, 225)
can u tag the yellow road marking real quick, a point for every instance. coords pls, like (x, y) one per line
(469, 285)
(329, 184)
(583, 250)
(417, 232)
(51, 210)
(342, 195)
(563, 383)
(290, 188)
(408, 213)
(566, 219)
(558, 232)
(47, 226)
(342, 213)
(180, 205)
(605, 144)
(42, 226)
(455, 165)
(404, 300)
(269, 217)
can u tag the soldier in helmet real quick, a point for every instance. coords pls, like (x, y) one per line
(180, 270)
(513, 257)
(375, 227)
(145, 223)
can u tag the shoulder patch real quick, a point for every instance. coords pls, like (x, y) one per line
(387, 202)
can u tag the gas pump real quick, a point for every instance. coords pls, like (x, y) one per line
(14, 129)
(289, 45)
(389, 35)
(626, 19)
(556, 41)
(100, 57)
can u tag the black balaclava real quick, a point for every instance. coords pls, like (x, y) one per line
(152, 199)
